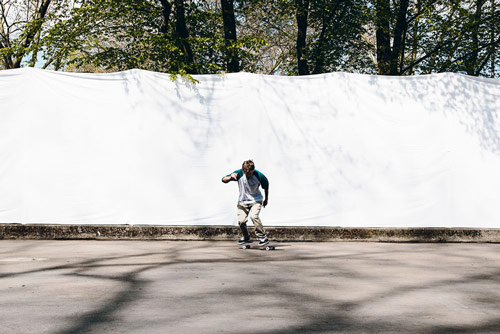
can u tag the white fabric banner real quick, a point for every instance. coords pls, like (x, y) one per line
(338, 149)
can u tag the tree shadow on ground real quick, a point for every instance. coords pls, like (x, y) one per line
(311, 311)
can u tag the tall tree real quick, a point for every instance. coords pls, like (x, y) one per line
(414, 37)
(493, 47)
(334, 42)
(268, 28)
(475, 38)
(289, 37)
(462, 40)
(22, 24)
(228, 17)
(166, 10)
(302, 11)
(183, 37)
(327, 16)
(397, 54)
(443, 35)
(384, 53)
(159, 35)
(328, 40)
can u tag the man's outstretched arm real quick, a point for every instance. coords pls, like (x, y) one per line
(231, 177)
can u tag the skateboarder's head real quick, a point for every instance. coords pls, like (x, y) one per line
(248, 167)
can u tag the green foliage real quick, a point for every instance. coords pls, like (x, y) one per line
(112, 35)
(450, 35)
(335, 42)
(117, 34)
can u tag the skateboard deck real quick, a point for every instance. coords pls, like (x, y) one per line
(268, 247)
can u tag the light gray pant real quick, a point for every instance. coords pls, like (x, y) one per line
(252, 211)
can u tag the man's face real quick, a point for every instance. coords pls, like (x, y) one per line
(249, 173)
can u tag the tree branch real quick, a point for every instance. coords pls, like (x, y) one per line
(32, 31)
(441, 45)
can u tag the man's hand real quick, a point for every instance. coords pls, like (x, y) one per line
(231, 177)
(265, 203)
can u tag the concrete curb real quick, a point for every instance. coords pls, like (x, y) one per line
(160, 232)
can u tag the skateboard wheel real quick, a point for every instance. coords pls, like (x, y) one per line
(268, 248)
(246, 246)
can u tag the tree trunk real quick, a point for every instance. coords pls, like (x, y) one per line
(7, 61)
(414, 47)
(34, 57)
(492, 32)
(229, 21)
(301, 15)
(383, 36)
(166, 10)
(325, 23)
(472, 61)
(183, 35)
(31, 33)
(399, 33)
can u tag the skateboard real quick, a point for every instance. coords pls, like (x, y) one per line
(267, 247)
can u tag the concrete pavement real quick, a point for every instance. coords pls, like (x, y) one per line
(214, 287)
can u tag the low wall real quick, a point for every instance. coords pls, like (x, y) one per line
(149, 232)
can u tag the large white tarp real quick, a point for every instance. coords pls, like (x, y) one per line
(338, 149)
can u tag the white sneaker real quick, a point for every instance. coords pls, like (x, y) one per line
(263, 241)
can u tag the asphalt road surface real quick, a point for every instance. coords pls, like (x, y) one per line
(215, 287)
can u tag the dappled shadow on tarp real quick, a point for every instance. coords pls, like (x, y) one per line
(339, 149)
(471, 101)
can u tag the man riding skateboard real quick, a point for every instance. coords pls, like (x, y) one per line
(250, 201)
